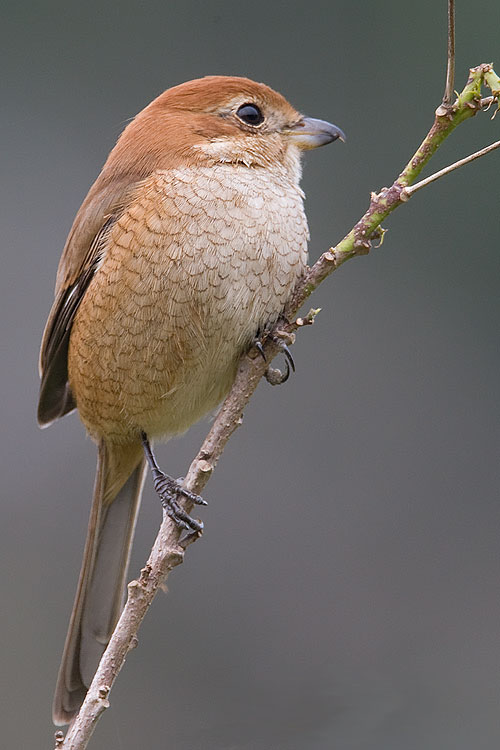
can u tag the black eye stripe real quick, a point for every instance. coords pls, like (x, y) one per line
(250, 114)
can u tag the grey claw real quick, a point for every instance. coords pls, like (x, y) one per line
(260, 349)
(287, 374)
(179, 516)
(196, 499)
(288, 354)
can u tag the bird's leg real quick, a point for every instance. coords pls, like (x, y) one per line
(169, 490)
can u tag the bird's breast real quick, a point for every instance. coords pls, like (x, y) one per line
(197, 263)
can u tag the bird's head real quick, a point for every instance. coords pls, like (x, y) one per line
(220, 119)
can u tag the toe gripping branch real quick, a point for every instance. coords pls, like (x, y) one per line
(272, 374)
(169, 490)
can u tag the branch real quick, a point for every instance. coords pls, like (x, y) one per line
(450, 69)
(442, 172)
(168, 550)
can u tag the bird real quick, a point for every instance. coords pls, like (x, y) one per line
(187, 246)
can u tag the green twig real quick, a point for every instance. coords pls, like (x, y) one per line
(359, 240)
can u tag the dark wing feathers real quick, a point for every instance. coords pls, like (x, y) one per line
(55, 395)
(85, 248)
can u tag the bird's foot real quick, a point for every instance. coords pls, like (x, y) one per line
(169, 491)
(273, 375)
(283, 339)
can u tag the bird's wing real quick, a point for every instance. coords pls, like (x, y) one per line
(84, 250)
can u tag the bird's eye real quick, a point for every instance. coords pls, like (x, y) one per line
(250, 114)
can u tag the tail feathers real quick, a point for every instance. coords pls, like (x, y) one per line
(101, 587)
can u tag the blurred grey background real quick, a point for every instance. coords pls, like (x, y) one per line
(346, 592)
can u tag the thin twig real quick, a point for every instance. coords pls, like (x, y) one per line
(487, 101)
(446, 170)
(450, 68)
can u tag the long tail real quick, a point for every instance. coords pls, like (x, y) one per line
(100, 593)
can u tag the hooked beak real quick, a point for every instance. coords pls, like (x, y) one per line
(311, 133)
